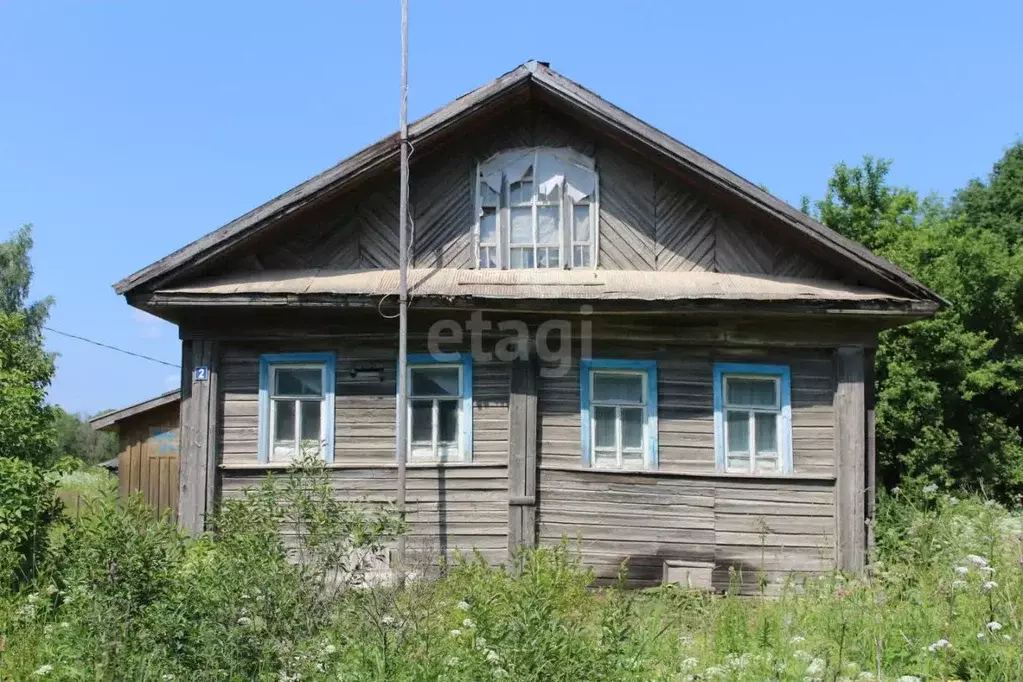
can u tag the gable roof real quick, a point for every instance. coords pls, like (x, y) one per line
(384, 155)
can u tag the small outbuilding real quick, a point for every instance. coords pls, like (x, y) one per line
(147, 438)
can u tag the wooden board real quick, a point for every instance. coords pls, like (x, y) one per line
(148, 460)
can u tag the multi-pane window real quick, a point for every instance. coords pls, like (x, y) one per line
(536, 208)
(439, 409)
(620, 412)
(754, 417)
(296, 415)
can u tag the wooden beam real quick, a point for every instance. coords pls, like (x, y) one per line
(870, 389)
(197, 454)
(522, 435)
(851, 455)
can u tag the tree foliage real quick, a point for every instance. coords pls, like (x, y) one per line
(76, 438)
(950, 389)
(26, 423)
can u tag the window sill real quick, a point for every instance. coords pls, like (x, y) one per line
(284, 466)
(696, 474)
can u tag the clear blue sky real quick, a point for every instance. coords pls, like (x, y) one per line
(128, 129)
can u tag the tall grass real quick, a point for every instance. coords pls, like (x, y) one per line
(125, 597)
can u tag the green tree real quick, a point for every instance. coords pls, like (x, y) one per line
(26, 423)
(949, 388)
(75, 438)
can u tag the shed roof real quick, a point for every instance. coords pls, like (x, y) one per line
(110, 420)
(384, 154)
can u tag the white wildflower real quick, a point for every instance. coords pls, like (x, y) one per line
(962, 570)
(492, 656)
(480, 643)
(931, 488)
(986, 569)
(802, 655)
(32, 599)
(958, 584)
(462, 606)
(245, 596)
(994, 626)
(989, 585)
(714, 671)
(816, 666)
(329, 650)
(456, 633)
(909, 678)
(500, 672)
(1007, 638)
(797, 639)
(896, 490)
(689, 663)
(65, 625)
(51, 589)
(43, 670)
(976, 559)
(167, 677)
(467, 623)
(940, 644)
(387, 620)
(980, 635)
(451, 662)
(865, 676)
(245, 621)
(990, 503)
(953, 500)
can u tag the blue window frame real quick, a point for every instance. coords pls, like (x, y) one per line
(296, 406)
(439, 407)
(752, 418)
(618, 402)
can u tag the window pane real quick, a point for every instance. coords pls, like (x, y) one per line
(439, 381)
(298, 381)
(632, 427)
(767, 432)
(488, 226)
(604, 427)
(581, 256)
(520, 192)
(284, 424)
(605, 460)
(521, 258)
(547, 225)
(767, 463)
(422, 421)
(554, 197)
(581, 223)
(737, 461)
(548, 257)
(447, 428)
(488, 256)
(633, 460)
(737, 427)
(615, 387)
(310, 429)
(522, 225)
(752, 392)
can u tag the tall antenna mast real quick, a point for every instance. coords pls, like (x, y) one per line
(401, 438)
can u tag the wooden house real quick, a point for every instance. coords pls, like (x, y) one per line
(612, 338)
(147, 460)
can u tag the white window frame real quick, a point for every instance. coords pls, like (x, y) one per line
(619, 450)
(433, 455)
(270, 365)
(782, 412)
(566, 243)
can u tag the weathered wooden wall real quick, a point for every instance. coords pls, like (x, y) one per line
(685, 510)
(649, 218)
(148, 458)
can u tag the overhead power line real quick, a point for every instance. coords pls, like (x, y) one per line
(108, 346)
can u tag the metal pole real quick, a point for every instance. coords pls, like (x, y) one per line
(402, 434)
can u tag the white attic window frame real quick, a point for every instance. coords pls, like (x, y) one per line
(520, 163)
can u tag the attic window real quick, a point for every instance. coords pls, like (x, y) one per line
(536, 208)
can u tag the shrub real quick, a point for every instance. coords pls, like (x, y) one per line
(27, 509)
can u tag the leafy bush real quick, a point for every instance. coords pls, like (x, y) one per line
(27, 509)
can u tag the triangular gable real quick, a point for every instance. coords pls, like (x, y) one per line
(732, 239)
